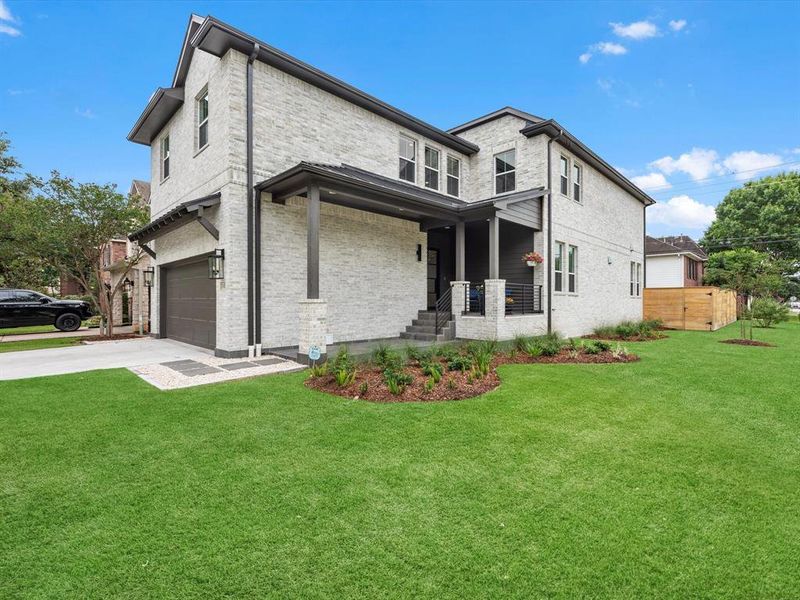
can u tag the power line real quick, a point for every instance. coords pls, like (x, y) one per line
(731, 174)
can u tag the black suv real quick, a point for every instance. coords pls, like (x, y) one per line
(20, 308)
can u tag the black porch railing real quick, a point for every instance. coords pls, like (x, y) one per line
(475, 298)
(444, 309)
(523, 298)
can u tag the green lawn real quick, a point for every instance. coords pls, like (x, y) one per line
(677, 477)
(29, 329)
(58, 342)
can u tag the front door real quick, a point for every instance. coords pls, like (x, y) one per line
(433, 277)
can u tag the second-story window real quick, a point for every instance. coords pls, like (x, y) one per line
(408, 159)
(453, 175)
(164, 157)
(505, 172)
(202, 120)
(564, 175)
(431, 168)
(577, 180)
(636, 278)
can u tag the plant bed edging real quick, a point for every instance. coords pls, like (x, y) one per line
(617, 338)
(741, 342)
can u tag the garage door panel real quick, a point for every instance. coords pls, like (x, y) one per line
(191, 304)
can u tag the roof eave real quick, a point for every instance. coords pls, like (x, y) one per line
(553, 129)
(164, 103)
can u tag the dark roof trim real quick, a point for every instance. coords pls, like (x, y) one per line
(217, 38)
(187, 50)
(175, 218)
(505, 111)
(552, 128)
(164, 103)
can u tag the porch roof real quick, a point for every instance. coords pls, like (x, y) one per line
(346, 185)
(178, 217)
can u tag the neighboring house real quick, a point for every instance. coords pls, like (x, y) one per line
(674, 261)
(343, 218)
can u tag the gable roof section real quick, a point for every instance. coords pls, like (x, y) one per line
(552, 129)
(686, 244)
(673, 245)
(141, 189)
(498, 114)
(215, 37)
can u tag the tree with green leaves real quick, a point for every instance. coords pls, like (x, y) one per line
(764, 215)
(748, 273)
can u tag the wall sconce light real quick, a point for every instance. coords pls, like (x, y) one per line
(419, 252)
(149, 276)
(216, 264)
(609, 260)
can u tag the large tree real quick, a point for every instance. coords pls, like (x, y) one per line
(763, 215)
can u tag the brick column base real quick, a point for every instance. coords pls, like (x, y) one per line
(313, 327)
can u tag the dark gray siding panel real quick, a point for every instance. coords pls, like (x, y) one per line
(528, 213)
(515, 240)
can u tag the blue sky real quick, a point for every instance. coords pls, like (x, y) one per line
(686, 98)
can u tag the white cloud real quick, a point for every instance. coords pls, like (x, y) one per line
(640, 30)
(585, 57)
(698, 164)
(682, 212)
(651, 181)
(677, 25)
(747, 164)
(8, 30)
(5, 13)
(85, 113)
(610, 48)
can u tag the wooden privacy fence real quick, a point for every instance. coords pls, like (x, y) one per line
(694, 308)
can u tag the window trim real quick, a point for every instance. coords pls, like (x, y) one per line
(564, 178)
(578, 183)
(635, 287)
(437, 170)
(448, 176)
(162, 158)
(573, 273)
(198, 123)
(558, 254)
(504, 173)
(402, 158)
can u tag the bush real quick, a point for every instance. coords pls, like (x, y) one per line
(647, 328)
(590, 347)
(482, 354)
(396, 381)
(767, 312)
(459, 362)
(434, 370)
(387, 358)
(543, 345)
(319, 370)
(343, 368)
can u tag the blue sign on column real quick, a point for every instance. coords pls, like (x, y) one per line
(314, 353)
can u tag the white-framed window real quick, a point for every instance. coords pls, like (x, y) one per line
(564, 164)
(558, 267)
(636, 278)
(572, 269)
(577, 181)
(202, 119)
(164, 157)
(453, 175)
(431, 168)
(408, 159)
(505, 171)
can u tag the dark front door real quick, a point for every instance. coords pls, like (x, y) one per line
(433, 277)
(191, 304)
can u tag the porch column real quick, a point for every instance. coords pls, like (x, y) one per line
(460, 251)
(313, 310)
(494, 248)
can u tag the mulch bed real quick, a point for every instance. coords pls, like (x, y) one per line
(747, 343)
(454, 385)
(618, 338)
(111, 338)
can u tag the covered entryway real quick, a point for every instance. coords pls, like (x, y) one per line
(189, 301)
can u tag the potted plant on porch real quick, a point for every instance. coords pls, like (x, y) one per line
(532, 258)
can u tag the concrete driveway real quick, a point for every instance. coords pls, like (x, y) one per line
(98, 355)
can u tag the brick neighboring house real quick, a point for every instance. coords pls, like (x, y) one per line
(674, 261)
(344, 218)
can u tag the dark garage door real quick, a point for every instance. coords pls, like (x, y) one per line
(191, 304)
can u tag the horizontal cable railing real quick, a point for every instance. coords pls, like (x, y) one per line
(523, 298)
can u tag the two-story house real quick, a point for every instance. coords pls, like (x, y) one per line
(290, 209)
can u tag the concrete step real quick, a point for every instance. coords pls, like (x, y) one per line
(421, 328)
(423, 337)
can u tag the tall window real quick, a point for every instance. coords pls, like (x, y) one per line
(431, 168)
(505, 171)
(202, 120)
(636, 279)
(691, 267)
(577, 174)
(572, 269)
(564, 175)
(164, 157)
(408, 159)
(453, 175)
(558, 267)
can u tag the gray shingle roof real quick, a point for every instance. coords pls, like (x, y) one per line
(673, 245)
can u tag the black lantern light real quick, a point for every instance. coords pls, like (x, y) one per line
(216, 264)
(149, 276)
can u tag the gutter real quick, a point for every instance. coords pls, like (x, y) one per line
(550, 230)
(253, 226)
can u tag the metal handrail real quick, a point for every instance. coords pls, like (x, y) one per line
(523, 299)
(444, 309)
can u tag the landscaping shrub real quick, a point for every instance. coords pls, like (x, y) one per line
(543, 345)
(647, 328)
(343, 367)
(387, 358)
(768, 312)
(459, 362)
(433, 369)
(319, 370)
(396, 381)
(591, 347)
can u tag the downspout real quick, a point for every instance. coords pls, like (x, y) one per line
(253, 227)
(550, 230)
(644, 248)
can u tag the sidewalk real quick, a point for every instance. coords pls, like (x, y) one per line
(82, 332)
